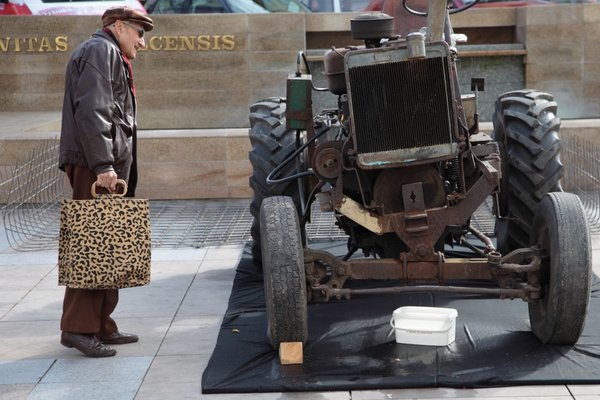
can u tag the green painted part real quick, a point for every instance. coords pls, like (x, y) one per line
(298, 93)
(298, 101)
(295, 124)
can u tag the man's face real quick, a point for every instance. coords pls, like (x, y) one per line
(131, 37)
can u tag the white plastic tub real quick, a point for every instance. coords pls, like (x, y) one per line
(429, 326)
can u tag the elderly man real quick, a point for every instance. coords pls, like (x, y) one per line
(98, 144)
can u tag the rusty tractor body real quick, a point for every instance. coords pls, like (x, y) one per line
(402, 165)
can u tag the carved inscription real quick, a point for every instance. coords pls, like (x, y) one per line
(42, 44)
(46, 44)
(191, 43)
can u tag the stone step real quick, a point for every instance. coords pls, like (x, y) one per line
(199, 163)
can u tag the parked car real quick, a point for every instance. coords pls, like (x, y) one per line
(203, 7)
(53, 7)
(378, 5)
(519, 3)
(338, 5)
(283, 5)
(501, 3)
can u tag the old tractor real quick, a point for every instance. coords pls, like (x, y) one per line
(403, 166)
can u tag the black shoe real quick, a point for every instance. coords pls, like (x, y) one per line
(119, 338)
(87, 344)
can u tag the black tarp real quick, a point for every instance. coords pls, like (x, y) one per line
(351, 346)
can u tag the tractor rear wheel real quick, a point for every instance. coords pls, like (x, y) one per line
(271, 144)
(283, 270)
(560, 227)
(527, 131)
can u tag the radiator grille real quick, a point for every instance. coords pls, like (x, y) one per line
(401, 105)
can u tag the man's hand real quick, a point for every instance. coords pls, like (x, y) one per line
(107, 180)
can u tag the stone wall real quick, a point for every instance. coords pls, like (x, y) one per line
(200, 71)
(175, 164)
(563, 56)
(192, 164)
(203, 71)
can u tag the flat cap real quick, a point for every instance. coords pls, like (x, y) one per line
(125, 13)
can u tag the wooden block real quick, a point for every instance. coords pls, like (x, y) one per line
(291, 353)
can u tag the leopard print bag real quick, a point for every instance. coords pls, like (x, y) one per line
(104, 243)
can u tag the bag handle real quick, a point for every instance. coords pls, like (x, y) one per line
(120, 182)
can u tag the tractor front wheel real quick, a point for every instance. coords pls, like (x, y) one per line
(283, 270)
(560, 227)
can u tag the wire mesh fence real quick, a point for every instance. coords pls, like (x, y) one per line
(31, 194)
(581, 158)
(32, 191)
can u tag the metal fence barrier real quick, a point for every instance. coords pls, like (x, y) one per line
(32, 192)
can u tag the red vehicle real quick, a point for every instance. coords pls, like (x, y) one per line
(378, 5)
(52, 7)
(406, 22)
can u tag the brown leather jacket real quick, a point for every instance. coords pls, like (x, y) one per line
(98, 118)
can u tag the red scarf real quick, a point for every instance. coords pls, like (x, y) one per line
(130, 70)
(127, 63)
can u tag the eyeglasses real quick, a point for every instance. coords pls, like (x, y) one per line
(140, 31)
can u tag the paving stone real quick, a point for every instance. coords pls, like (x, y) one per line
(37, 305)
(15, 392)
(118, 371)
(23, 371)
(87, 391)
(176, 369)
(191, 335)
(31, 340)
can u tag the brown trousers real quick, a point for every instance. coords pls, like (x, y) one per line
(85, 310)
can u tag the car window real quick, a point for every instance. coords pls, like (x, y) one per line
(245, 6)
(168, 6)
(293, 7)
(283, 5)
(208, 7)
(73, 7)
(203, 6)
